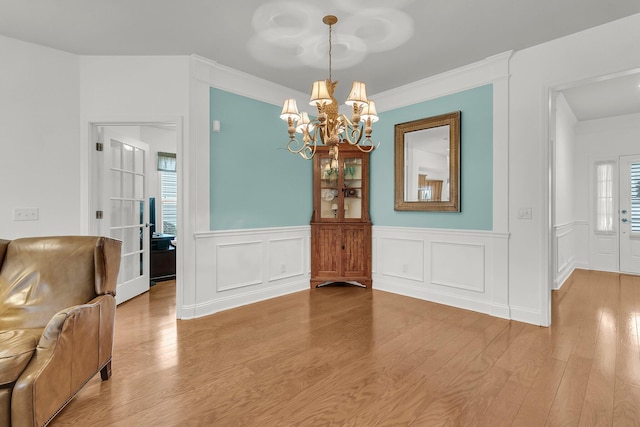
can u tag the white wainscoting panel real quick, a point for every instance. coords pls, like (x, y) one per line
(458, 265)
(571, 246)
(402, 258)
(466, 269)
(286, 257)
(239, 267)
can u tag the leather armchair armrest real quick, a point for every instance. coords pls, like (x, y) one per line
(76, 343)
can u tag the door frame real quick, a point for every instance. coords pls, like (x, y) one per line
(87, 147)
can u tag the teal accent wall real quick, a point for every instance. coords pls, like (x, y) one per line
(476, 163)
(255, 181)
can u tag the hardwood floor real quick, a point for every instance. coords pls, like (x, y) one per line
(355, 357)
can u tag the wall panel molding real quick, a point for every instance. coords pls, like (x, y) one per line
(445, 263)
(570, 240)
(465, 269)
(239, 267)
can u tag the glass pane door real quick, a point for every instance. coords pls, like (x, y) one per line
(125, 209)
(629, 214)
(127, 206)
(329, 200)
(352, 171)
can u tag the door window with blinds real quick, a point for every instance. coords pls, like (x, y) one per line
(605, 203)
(635, 198)
(168, 192)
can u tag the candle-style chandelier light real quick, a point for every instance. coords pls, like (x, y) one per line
(330, 128)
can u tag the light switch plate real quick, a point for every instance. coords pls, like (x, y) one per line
(524, 213)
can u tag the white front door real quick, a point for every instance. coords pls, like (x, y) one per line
(120, 182)
(629, 214)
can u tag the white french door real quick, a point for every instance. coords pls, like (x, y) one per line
(629, 216)
(122, 206)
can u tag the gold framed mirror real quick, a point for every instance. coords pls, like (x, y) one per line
(427, 164)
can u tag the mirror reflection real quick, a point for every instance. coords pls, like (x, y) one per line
(427, 163)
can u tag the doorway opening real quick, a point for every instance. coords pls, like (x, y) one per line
(593, 126)
(134, 197)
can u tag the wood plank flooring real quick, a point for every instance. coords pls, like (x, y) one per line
(347, 356)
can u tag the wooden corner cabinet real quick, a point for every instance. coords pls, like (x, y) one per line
(340, 224)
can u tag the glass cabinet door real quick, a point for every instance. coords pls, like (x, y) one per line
(329, 200)
(352, 190)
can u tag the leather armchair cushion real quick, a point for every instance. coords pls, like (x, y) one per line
(16, 349)
(41, 276)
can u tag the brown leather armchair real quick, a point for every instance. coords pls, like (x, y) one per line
(57, 313)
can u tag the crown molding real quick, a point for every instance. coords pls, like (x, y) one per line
(240, 83)
(479, 73)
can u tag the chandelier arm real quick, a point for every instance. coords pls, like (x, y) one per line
(367, 148)
(295, 146)
(353, 132)
(354, 136)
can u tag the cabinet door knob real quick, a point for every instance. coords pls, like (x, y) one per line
(342, 247)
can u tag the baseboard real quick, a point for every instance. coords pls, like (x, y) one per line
(526, 315)
(263, 293)
(562, 278)
(480, 306)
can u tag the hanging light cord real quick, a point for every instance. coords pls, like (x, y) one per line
(330, 45)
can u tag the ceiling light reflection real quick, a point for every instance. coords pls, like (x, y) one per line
(356, 6)
(380, 29)
(347, 51)
(282, 23)
(286, 30)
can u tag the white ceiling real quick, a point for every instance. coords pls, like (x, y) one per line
(384, 43)
(606, 97)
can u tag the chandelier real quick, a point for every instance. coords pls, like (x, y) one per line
(329, 127)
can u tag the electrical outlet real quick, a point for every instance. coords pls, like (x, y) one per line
(25, 214)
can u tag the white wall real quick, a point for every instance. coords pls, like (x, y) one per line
(605, 138)
(599, 51)
(569, 243)
(39, 152)
(565, 148)
(139, 89)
